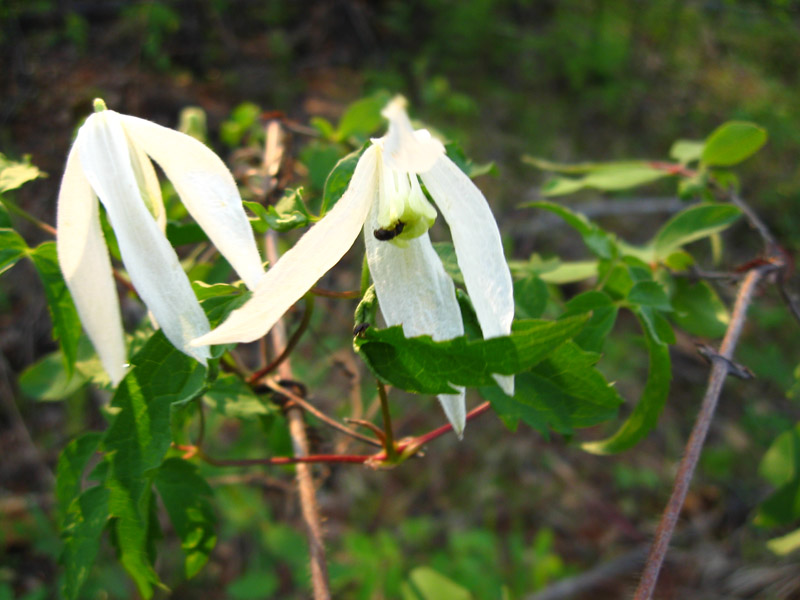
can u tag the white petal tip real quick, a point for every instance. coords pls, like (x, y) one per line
(506, 383)
(395, 108)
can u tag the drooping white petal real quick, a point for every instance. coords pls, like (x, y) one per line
(150, 260)
(414, 291)
(406, 149)
(206, 187)
(149, 187)
(478, 249)
(310, 258)
(83, 257)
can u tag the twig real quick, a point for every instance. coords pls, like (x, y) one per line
(591, 579)
(305, 482)
(719, 371)
(289, 346)
(299, 400)
(348, 294)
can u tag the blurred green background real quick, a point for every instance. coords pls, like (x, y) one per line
(502, 515)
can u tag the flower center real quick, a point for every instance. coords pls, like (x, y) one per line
(404, 212)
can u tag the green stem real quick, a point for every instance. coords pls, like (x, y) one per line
(365, 276)
(19, 211)
(391, 451)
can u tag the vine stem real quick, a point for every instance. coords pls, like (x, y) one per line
(297, 431)
(720, 368)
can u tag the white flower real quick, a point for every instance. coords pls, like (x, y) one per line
(385, 199)
(111, 160)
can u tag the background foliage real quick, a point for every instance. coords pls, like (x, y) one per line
(573, 82)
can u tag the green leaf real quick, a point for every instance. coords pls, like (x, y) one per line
(649, 293)
(82, 532)
(782, 507)
(447, 254)
(181, 234)
(426, 584)
(604, 315)
(421, 365)
(288, 213)
(785, 544)
(220, 299)
(232, 397)
(47, 379)
(12, 248)
(645, 416)
(14, 174)
(320, 158)
(686, 151)
(66, 324)
(698, 309)
(137, 440)
(186, 496)
(530, 297)
(72, 463)
(467, 165)
(339, 178)
(694, 223)
(781, 463)
(599, 241)
(362, 118)
(609, 177)
(733, 142)
(563, 392)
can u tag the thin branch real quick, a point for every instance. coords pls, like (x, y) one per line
(719, 371)
(305, 483)
(289, 346)
(302, 402)
(348, 294)
(21, 212)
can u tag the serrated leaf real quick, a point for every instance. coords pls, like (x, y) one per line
(645, 416)
(219, 300)
(362, 118)
(12, 248)
(599, 241)
(604, 316)
(691, 224)
(649, 293)
(187, 498)
(82, 533)
(72, 462)
(14, 174)
(421, 365)
(530, 297)
(426, 584)
(733, 142)
(137, 441)
(698, 309)
(339, 178)
(232, 397)
(66, 324)
(563, 392)
(686, 151)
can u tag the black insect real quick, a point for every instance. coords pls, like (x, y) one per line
(359, 329)
(384, 235)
